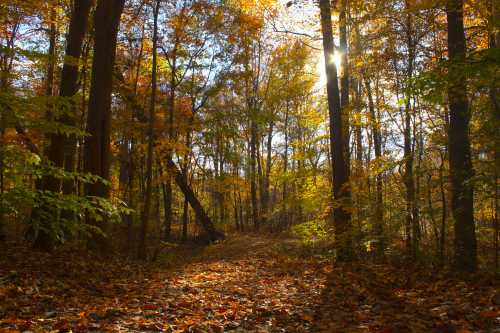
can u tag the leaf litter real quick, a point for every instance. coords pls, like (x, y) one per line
(244, 284)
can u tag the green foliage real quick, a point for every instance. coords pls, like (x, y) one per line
(65, 212)
(311, 232)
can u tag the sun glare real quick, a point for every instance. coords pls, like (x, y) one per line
(336, 58)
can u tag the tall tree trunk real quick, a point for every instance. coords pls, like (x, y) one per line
(167, 187)
(265, 204)
(285, 163)
(377, 143)
(411, 241)
(60, 143)
(461, 170)
(185, 172)
(52, 58)
(97, 145)
(358, 132)
(253, 172)
(444, 213)
(43, 240)
(142, 253)
(341, 214)
(126, 175)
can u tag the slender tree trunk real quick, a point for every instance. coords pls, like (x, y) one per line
(285, 164)
(265, 202)
(52, 58)
(341, 214)
(97, 145)
(461, 170)
(377, 143)
(358, 130)
(142, 253)
(444, 213)
(126, 178)
(185, 171)
(253, 172)
(46, 233)
(167, 188)
(411, 235)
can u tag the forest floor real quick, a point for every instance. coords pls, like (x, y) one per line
(244, 284)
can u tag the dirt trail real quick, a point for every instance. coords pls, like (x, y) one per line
(244, 284)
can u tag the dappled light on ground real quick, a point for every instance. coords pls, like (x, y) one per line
(244, 284)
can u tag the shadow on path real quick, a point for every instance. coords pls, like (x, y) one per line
(383, 299)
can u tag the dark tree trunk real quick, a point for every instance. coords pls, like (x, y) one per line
(461, 170)
(338, 143)
(142, 253)
(189, 194)
(97, 145)
(126, 177)
(60, 143)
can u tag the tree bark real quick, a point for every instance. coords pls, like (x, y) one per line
(341, 214)
(142, 253)
(461, 170)
(97, 146)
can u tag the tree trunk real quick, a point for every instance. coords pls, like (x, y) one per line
(461, 170)
(189, 194)
(444, 213)
(142, 253)
(167, 188)
(185, 172)
(411, 242)
(341, 214)
(377, 143)
(60, 143)
(265, 204)
(97, 146)
(253, 172)
(44, 237)
(285, 164)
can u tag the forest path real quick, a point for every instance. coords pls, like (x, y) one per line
(244, 284)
